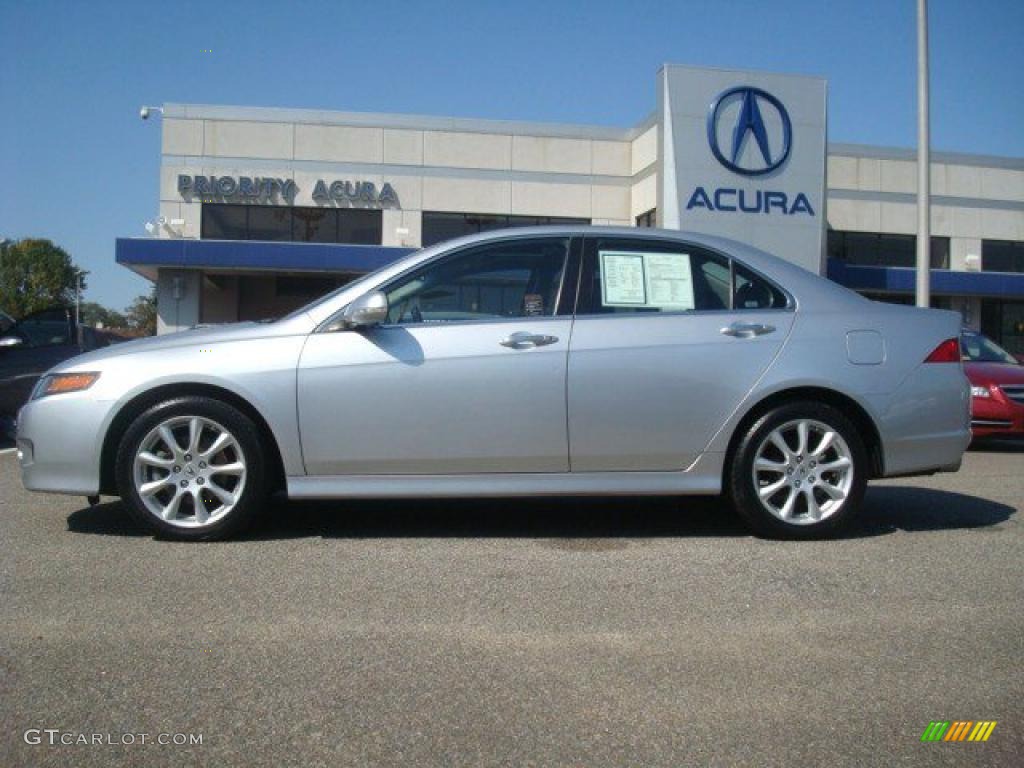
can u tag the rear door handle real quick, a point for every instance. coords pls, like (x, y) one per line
(747, 330)
(527, 340)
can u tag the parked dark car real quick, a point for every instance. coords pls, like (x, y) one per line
(997, 387)
(32, 346)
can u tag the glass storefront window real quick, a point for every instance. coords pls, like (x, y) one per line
(1003, 322)
(221, 221)
(875, 249)
(362, 227)
(266, 223)
(1002, 256)
(648, 219)
(225, 222)
(315, 225)
(439, 226)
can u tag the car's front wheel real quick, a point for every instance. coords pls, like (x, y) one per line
(192, 468)
(799, 471)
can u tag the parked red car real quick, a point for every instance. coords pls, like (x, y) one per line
(997, 387)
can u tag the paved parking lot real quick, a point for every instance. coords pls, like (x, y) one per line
(640, 632)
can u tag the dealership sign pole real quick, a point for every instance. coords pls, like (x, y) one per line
(923, 160)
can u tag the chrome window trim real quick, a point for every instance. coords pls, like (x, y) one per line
(466, 323)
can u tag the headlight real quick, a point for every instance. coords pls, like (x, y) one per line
(980, 392)
(62, 383)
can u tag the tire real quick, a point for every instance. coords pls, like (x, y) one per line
(209, 486)
(823, 500)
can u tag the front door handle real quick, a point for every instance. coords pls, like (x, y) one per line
(527, 340)
(747, 330)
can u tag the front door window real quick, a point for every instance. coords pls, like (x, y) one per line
(516, 278)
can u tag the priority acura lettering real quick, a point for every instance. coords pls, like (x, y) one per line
(261, 189)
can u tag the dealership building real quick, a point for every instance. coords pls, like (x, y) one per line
(262, 210)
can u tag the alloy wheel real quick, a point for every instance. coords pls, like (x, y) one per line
(803, 472)
(189, 471)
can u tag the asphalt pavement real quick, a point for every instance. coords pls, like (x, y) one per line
(651, 632)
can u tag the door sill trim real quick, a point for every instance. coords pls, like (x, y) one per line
(510, 484)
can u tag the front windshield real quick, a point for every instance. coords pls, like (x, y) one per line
(981, 349)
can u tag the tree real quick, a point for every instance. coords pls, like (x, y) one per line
(141, 314)
(95, 314)
(35, 274)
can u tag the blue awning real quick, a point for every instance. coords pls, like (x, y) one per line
(944, 282)
(142, 255)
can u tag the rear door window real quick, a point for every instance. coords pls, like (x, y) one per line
(637, 276)
(623, 276)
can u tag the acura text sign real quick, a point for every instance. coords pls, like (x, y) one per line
(743, 156)
(270, 189)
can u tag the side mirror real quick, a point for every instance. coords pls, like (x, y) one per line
(10, 341)
(367, 311)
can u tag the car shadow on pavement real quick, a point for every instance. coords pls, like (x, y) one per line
(6, 433)
(889, 508)
(997, 445)
(886, 509)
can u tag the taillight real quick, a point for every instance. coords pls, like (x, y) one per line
(947, 352)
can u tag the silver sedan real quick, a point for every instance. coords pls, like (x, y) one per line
(527, 362)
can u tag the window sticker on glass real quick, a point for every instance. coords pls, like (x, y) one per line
(622, 279)
(653, 280)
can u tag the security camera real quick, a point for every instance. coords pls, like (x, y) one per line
(144, 113)
(161, 220)
(150, 227)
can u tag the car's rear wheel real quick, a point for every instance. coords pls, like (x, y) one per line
(192, 468)
(799, 471)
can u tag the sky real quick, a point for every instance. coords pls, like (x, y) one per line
(78, 166)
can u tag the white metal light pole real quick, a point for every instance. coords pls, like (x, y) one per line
(923, 161)
(79, 275)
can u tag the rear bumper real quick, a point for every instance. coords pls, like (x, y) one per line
(925, 425)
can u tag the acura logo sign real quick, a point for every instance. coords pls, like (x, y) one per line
(750, 148)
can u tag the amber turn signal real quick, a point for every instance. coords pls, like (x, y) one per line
(61, 383)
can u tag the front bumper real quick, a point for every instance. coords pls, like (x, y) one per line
(59, 442)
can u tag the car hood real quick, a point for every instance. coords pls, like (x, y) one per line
(994, 373)
(190, 338)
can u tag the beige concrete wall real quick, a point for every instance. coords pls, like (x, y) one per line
(644, 150)
(869, 174)
(643, 196)
(433, 170)
(970, 202)
(518, 173)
